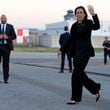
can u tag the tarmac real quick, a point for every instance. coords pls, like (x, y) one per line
(51, 60)
(36, 84)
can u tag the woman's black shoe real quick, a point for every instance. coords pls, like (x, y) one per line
(97, 97)
(98, 94)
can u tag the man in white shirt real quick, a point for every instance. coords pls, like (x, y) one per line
(7, 34)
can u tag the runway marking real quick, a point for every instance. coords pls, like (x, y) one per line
(43, 66)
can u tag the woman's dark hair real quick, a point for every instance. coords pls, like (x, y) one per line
(81, 7)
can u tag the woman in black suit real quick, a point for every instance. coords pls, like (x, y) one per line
(81, 50)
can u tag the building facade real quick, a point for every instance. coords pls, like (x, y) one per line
(22, 36)
(55, 29)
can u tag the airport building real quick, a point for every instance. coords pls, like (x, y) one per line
(50, 36)
(55, 29)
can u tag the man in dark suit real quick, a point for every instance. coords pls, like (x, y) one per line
(7, 34)
(64, 37)
(106, 45)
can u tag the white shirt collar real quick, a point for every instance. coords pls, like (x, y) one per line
(4, 26)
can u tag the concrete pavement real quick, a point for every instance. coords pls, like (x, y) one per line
(35, 84)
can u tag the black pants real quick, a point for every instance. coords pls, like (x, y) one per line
(106, 53)
(80, 79)
(63, 61)
(4, 56)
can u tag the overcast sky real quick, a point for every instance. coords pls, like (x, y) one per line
(37, 13)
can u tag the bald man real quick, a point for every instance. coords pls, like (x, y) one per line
(7, 34)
